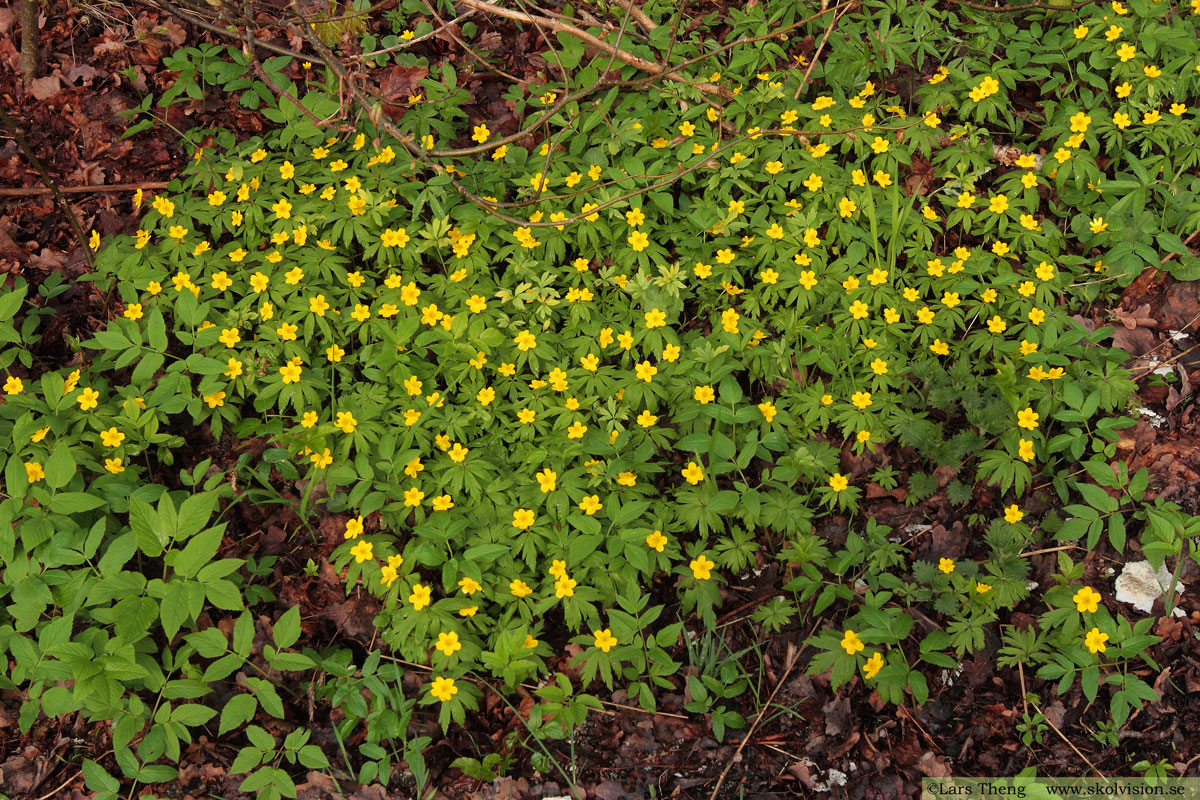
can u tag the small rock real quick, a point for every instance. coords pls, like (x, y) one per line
(1139, 585)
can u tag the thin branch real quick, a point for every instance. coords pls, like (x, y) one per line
(587, 38)
(415, 40)
(790, 662)
(15, 132)
(469, 50)
(34, 191)
(820, 47)
(192, 17)
(29, 40)
(648, 25)
(1023, 7)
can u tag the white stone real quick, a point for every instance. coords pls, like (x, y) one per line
(1139, 585)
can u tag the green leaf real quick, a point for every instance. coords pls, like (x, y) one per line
(237, 712)
(74, 502)
(173, 609)
(194, 513)
(291, 662)
(198, 552)
(97, 779)
(144, 521)
(209, 643)
(60, 466)
(287, 628)
(192, 714)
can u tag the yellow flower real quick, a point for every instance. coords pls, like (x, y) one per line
(565, 587)
(1094, 641)
(114, 465)
(861, 400)
(519, 588)
(873, 665)
(34, 471)
(851, 643)
(838, 482)
(1027, 418)
(576, 430)
(547, 479)
(656, 541)
(354, 527)
(88, 399)
(768, 410)
(525, 341)
(394, 237)
(704, 394)
(523, 519)
(946, 565)
(646, 419)
(646, 371)
(448, 643)
(693, 473)
(1087, 600)
(604, 639)
(291, 372)
(846, 207)
(363, 551)
(413, 497)
(420, 596)
(701, 568)
(638, 240)
(443, 688)
(590, 504)
(111, 437)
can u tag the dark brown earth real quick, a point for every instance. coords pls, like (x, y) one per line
(71, 119)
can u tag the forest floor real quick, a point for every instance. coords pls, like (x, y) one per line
(96, 62)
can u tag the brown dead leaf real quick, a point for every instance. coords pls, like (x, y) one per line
(45, 88)
(1140, 316)
(837, 715)
(1134, 340)
(400, 82)
(934, 766)
(84, 72)
(175, 32)
(316, 786)
(1056, 712)
(107, 45)
(1169, 628)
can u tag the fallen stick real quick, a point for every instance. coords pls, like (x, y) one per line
(112, 187)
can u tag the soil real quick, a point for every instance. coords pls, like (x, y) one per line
(96, 62)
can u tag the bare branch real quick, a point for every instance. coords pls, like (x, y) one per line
(648, 25)
(623, 56)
